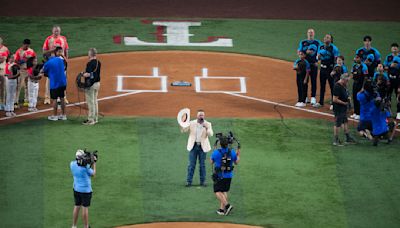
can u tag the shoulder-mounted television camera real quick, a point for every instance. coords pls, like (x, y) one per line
(231, 139)
(87, 157)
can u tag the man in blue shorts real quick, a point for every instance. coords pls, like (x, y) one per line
(54, 68)
(223, 160)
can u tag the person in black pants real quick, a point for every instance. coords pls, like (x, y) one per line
(360, 72)
(302, 68)
(310, 47)
(327, 54)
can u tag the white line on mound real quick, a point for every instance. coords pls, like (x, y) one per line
(286, 106)
(73, 104)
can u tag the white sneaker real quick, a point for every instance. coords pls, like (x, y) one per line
(30, 110)
(52, 118)
(13, 114)
(35, 109)
(331, 108)
(398, 116)
(313, 101)
(357, 117)
(302, 105)
(297, 104)
(46, 101)
(317, 105)
(8, 114)
(352, 116)
(307, 100)
(62, 117)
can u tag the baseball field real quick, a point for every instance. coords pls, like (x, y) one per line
(290, 175)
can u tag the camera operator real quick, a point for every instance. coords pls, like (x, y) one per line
(223, 160)
(82, 172)
(367, 103)
(198, 145)
(380, 114)
(340, 104)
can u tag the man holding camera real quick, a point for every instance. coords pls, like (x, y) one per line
(82, 173)
(198, 145)
(223, 160)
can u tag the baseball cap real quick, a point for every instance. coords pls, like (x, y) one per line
(312, 47)
(79, 153)
(371, 57)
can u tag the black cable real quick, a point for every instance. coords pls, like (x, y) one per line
(281, 116)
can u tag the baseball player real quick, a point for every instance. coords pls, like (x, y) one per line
(49, 45)
(365, 51)
(302, 68)
(360, 72)
(12, 74)
(391, 65)
(327, 54)
(21, 57)
(3, 80)
(35, 75)
(304, 46)
(3, 48)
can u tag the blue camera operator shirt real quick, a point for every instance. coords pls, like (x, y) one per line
(379, 123)
(216, 156)
(81, 174)
(367, 105)
(54, 68)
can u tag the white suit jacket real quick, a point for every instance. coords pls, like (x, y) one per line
(205, 142)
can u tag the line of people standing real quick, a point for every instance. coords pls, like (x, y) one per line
(22, 72)
(367, 65)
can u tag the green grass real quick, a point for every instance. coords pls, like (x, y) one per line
(274, 38)
(288, 177)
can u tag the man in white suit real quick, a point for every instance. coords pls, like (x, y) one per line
(198, 145)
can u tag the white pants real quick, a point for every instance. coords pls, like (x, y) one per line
(33, 89)
(22, 84)
(91, 99)
(11, 92)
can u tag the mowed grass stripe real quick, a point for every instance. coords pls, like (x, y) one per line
(22, 164)
(288, 177)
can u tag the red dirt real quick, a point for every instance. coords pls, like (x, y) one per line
(383, 10)
(266, 78)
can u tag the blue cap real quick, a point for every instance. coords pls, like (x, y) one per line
(312, 47)
(371, 57)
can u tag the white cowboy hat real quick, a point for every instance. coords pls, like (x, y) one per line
(183, 117)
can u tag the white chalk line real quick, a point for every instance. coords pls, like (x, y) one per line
(286, 106)
(73, 104)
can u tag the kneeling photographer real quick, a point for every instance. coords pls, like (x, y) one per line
(367, 102)
(223, 160)
(82, 169)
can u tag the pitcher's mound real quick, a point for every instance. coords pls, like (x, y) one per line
(188, 224)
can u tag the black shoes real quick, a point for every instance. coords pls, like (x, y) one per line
(188, 184)
(220, 212)
(228, 209)
(203, 184)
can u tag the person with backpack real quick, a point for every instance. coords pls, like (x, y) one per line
(223, 160)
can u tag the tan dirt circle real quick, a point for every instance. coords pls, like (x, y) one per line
(266, 78)
(188, 224)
